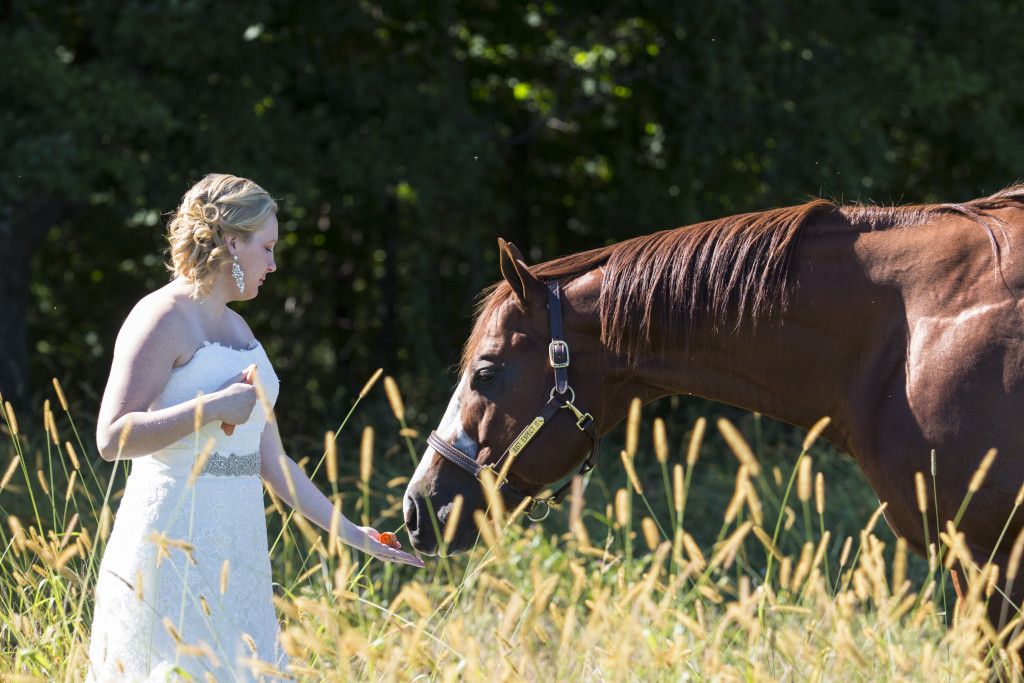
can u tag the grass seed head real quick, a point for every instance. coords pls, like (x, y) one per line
(200, 461)
(651, 535)
(693, 550)
(60, 395)
(86, 540)
(678, 489)
(394, 398)
(370, 382)
(874, 517)
(125, 431)
(331, 454)
(815, 432)
(171, 630)
(11, 420)
(510, 618)
(69, 529)
(71, 454)
(634, 480)
(693, 450)
(274, 500)
(261, 394)
(519, 509)
(993, 581)
(819, 493)
(982, 471)
(489, 483)
(576, 504)
(18, 532)
(366, 455)
(633, 427)
(899, 563)
(332, 532)
(804, 566)
(739, 446)
(50, 423)
(452, 522)
(485, 527)
(622, 508)
(41, 476)
(71, 485)
(922, 492)
(225, 572)
(766, 541)
(785, 572)
(803, 480)
(845, 555)
(660, 441)
(104, 524)
(726, 552)
(753, 502)
(1014, 564)
(732, 510)
(197, 418)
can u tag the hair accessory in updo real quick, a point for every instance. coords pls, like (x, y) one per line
(208, 212)
(204, 219)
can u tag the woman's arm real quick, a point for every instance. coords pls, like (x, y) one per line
(312, 504)
(154, 337)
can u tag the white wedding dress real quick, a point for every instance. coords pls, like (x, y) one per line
(184, 588)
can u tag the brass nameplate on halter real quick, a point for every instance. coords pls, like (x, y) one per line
(525, 436)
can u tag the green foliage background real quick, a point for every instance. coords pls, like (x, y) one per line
(403, 137)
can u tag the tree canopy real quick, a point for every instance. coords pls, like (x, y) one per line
(402, 138)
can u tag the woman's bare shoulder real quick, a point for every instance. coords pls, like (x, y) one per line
(163, 321)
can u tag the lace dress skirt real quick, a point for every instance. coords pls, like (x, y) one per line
(184, 588)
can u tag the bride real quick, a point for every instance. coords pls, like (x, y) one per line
(184, 588)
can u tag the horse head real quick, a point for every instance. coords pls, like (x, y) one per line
(513, 410)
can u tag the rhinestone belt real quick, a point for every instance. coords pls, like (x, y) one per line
(245, 465)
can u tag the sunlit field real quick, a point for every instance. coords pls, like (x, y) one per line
(702, 549)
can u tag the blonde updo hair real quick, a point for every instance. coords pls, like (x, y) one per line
(217, 207)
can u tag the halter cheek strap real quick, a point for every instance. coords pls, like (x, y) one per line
(562, 396)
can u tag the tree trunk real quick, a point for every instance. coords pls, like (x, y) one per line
(22, 229)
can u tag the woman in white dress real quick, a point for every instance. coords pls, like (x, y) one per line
(184, 588)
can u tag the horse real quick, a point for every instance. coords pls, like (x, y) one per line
(902, 324)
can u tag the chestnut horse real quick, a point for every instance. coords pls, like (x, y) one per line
(903, 325)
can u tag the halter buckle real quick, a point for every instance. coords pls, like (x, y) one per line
(558, 354)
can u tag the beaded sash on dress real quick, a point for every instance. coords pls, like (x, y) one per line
(218, 465)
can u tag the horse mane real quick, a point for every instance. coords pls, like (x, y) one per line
(723, 271)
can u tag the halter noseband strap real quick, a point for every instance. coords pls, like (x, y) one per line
(562, 396)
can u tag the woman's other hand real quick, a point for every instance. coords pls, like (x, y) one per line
(233, 402)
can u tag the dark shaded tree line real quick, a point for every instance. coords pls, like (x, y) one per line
(403, 138)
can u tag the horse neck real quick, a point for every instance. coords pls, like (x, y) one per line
(841, 324)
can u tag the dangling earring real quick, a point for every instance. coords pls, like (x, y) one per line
(236, 272)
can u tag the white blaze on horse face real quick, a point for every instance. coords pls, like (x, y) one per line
(451, 431)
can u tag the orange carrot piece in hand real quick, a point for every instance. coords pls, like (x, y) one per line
(247, 376)
(388, 538)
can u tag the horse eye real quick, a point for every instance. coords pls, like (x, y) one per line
(484, 376)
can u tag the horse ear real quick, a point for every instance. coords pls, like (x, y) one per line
(528, 289)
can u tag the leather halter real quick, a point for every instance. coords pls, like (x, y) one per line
(562, 396)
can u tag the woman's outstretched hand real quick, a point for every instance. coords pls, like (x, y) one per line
(383, 551)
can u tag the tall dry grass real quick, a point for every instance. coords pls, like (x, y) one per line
(625, 585)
